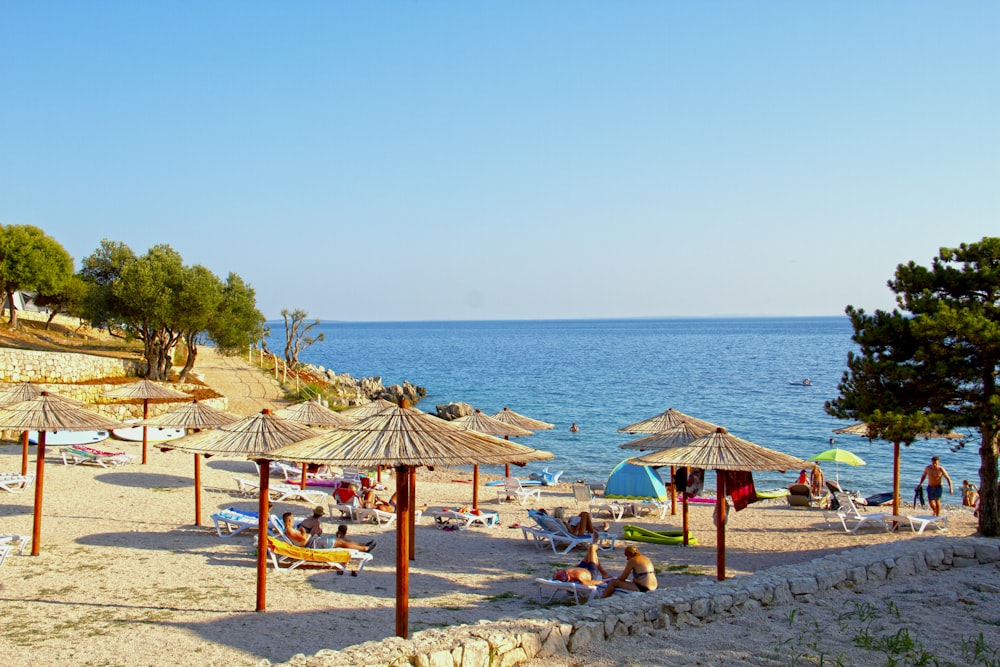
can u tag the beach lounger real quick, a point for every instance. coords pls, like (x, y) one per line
(285, 556)
(280, 492)
(463, 520)
(15, 482)
(4, 550)
(512, 488)
(849, 512)
(8, 540)
(231, 522)
(380, 517)
(919, 523)
(347, 511)
(554, 531)
(583, 494)
(574, 588)
(80, 454)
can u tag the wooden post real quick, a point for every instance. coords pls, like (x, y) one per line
(24, 452)
(413, 513)
(36, 526)
(197, 489)
(895, 481)
(262, 518)
(145, 415)
(402, 551)
(720, 527)
(475, 486)
(673, 494)
(302, 482)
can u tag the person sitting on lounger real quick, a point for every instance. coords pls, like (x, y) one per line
(297, 536)
(641, 570)
(371, 501)
(313, 524)
(582, 524)
(341, 541)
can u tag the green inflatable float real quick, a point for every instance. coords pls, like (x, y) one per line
(637, 534)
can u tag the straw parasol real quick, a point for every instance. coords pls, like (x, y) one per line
(146, 390)
(252, 438)
(357, 412)
(721, 450)
(193, 416)
(477, 421)
(665, 421)
(864, 430)
(405, 438)
(682, 434)
(45, 413)
(25, 391)
(313, 414)
(508, 416)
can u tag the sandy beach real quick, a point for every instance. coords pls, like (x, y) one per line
(125, 577)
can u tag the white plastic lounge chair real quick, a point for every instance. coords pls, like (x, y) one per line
(465, 520)
(280, 492)
(574, 588)
(229, 522)
(7, 540)
(380, 517)
(347, 511)
(79, 455)
(15, 482)
(285, 556)
(583, 494)
(555, 532)
(512, 489)
(848, 512)
(651, 506)
(4, 550)
(919, 523)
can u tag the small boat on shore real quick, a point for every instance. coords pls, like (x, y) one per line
(804, 383)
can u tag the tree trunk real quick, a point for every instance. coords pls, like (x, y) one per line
(13, 309)
(192, 353)
(989, 494)
(48, 322)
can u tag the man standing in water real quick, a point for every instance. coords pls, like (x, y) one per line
(933, 474)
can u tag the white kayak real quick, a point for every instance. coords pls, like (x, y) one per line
(65, 438)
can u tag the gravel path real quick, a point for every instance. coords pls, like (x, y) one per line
(248, 388)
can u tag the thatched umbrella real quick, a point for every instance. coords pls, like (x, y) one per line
(357, 412)
(508, 416)
(313, 414)
(665, 421)
(721, 450)
(405, 438)
(194, 417)
(25, 391)
(676, 436)
(864, 430)
(477, 421)
(46, 413)
(252, 437)
(146, 389)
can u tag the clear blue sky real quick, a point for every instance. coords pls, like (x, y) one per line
(510, 160)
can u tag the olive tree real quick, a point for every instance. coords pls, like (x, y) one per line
(31, 261)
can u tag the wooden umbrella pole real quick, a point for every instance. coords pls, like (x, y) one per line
(378, 474)
(36, 526)
(673, 493)
(24, 452)
(475, 486)
(402, 551)
(895, 481)
(413, 513)
(262, 518)
(506, 470)
(145, 415)
(197, 489)
(720, 527)
(684, 512)
(305, 469)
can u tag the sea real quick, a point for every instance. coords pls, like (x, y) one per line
(741, 373)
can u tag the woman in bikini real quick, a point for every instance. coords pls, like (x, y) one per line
(641, 569)
(589, 572)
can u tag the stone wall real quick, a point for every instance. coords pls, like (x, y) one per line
(542, 633)
(17, 365)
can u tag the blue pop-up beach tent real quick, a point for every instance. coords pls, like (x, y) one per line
(632, 481)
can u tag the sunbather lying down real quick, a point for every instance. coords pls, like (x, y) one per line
(589, 572)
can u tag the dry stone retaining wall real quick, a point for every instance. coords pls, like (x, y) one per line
(17, 365)
(538, 634)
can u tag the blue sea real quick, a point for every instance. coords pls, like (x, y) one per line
(606, 374)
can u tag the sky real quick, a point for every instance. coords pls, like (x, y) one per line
(398, 161)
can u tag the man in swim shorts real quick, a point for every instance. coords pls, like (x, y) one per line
(934, 474)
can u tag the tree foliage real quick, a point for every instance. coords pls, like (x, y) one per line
(31, 261)
(67, 299)
(297, 336)
(163, 303)
(933, 363)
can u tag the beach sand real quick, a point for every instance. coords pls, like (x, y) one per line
(125, 577)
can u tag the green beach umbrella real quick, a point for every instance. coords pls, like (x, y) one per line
(838, 456)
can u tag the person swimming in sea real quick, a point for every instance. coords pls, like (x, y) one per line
(574, 428)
